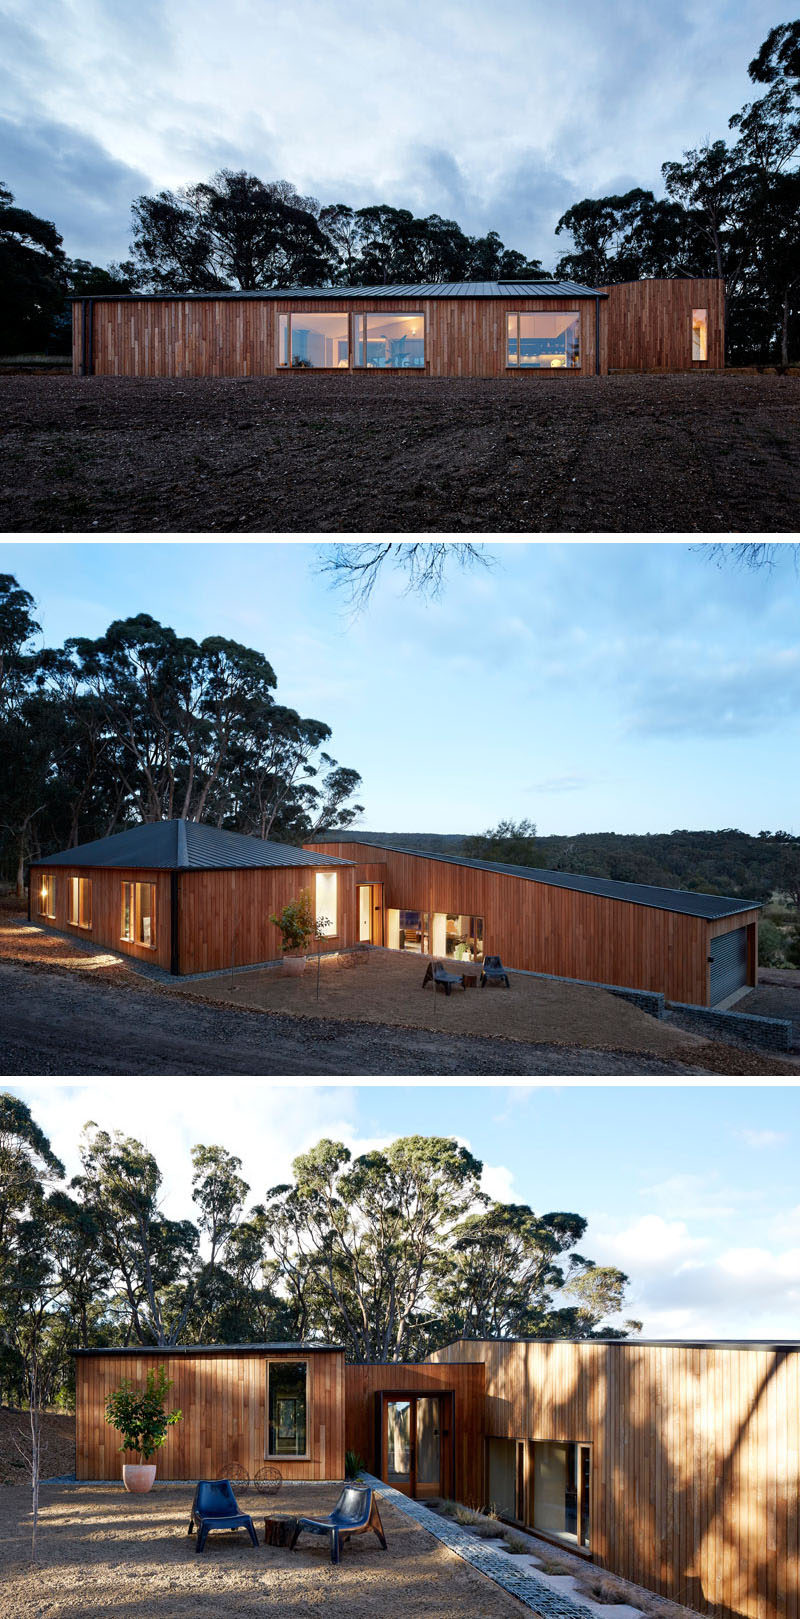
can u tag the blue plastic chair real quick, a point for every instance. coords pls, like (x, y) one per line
(355, 1511)
(215, 1507)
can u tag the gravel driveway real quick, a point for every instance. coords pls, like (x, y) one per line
(61, 1023)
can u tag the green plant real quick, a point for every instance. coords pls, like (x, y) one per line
(353, 1464)
(296, 922)
(515, 1545)
(770, 944)
(139, 1414)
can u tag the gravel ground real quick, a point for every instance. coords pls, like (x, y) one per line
(774, 1000)
(709, 453)
(103, 1551)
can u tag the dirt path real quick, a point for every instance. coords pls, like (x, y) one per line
(326, 454)
(54, 1023)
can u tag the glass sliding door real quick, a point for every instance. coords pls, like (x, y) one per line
(561, 1492)
(429, 1462)
(412, 1443)
(398, 1445)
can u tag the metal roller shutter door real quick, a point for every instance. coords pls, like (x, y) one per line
(728, 964)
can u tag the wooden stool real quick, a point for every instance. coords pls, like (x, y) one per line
(279, 1531)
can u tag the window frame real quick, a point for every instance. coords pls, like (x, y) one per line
(515, 365)
(548, 1534)
(386, 314)
(74, 921)
(333, 932)
(281, 1455)
(700, 320)
(287, 314)
(135, 913)
(47, 896)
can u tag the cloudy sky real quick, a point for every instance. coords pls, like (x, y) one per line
(500, 115)
(691, 1191)
(609, 687)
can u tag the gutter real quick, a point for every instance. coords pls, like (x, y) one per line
(597, 337)
(87, 338)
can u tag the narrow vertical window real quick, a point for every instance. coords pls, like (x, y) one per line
(699, 334)
(512, 339)
(80, 902)
(283, 340)
(326, 900)
(146, 914)
(287, 1407)
(47, 896)
(126, 924)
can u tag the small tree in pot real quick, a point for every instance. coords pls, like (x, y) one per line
(296, 923)
(139, 1414)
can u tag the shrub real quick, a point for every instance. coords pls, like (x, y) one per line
(770, 945)
(139, 1414)
(353, 1464)
(296, 923)
(515, 1546)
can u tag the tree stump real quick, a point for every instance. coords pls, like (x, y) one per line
(278, 1531)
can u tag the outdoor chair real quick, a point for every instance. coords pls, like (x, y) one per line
(440, 976)
(355, 1512)
(215, 1507)
(494, 972)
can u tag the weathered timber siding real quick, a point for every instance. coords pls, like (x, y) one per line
(199, 337)
(539, 928)
(223, 1398)
(650, 325)
(695, 1459)
(466, 1382)
(225, 915)
(106, 908)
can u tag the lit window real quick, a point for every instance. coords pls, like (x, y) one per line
(80, 902)
(313, 342)
(126, 928)
(561, 1485)
(325, 905)
(546, 341)
(389, 342)
(457, 936)
(287, 1404)
(47, 896)
(699, 334)
(138, 925)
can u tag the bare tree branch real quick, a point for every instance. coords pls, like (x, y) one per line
(356, 565)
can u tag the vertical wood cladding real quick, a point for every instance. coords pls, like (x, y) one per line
(466, 1382)
(695, 1459)
(221, 337)
(223, 1397)
(106, 925)
(540, 928)
(224, 916)
(649, 325)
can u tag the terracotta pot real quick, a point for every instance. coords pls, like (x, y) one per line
(293, 966)
(138, 1477)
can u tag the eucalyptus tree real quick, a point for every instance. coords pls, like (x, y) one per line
(356, 565)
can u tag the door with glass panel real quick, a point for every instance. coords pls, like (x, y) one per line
(412, 1444)
(370, 913)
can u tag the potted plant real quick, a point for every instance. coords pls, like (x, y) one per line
(296, 924)
(139, 1414)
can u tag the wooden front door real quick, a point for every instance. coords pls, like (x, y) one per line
(412, 1448)
(370, 913)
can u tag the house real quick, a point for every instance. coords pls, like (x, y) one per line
(437, 329)
(188, 897)
(673, 1464)
(700, 949)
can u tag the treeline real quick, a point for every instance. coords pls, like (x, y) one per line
(732, 209)
(141, 724)
(392, 1254)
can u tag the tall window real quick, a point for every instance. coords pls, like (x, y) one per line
(138, 919)
(699, 334)
(326, 897)
(389, 342)
(80, 902)
(545, 341)
(313, 342)
(47, 896)
(561, 1486)
(458, 936)
(287, 1402)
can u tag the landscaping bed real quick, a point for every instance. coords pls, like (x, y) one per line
(103, 1552)
(699, 453)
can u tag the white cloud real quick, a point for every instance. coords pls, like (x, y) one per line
(498, 1183)
(693, 1196)
(649, 1245)
(762, 1138)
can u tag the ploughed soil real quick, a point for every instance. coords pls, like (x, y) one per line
(70, 1009)
(58, 1445)
(713, 453)
(104, 1552)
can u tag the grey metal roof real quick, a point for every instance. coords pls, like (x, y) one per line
(212, 1349)
(185, 846)
(710, 906)
(635, 1343)
(417, 289)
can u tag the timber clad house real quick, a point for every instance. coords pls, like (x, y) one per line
(189, 898)
(675, 1465)
(437, 329)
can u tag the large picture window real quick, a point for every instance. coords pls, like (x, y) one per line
(47, 896)
(287, 1403)
(699, 334)
(138, 919)
(545, 341)
(313, 342)
(326, 900)
(80, 902)
(389, 342)
(561, 1486)
(458, 936)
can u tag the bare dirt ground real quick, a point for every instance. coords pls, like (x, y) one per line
(58, 1444)
(105, 1552)
(713, 454)
(779, 996)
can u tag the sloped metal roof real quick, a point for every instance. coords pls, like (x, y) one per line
(417, 289)
(710, 906)
(212, 1349)
(185, 846)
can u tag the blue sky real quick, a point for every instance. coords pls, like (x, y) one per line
(691, 1190)
(607, 687)
(500, 115)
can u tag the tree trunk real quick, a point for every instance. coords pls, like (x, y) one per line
(785, 328)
